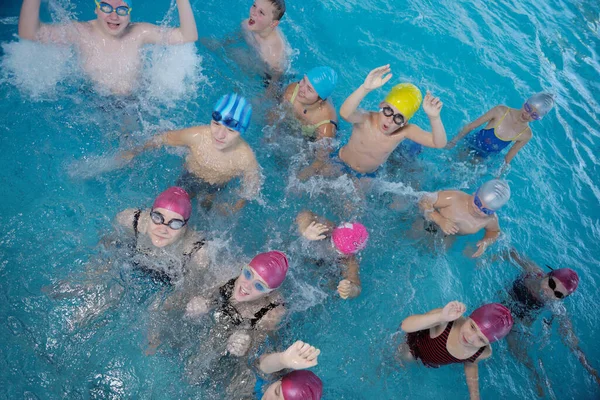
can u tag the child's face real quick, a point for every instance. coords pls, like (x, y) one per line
(306, 92)
(274, 392)
(112, 23)
(261, 16)
(223, 137)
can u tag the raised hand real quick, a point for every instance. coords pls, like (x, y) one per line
(300, 355)
(315, 231)
(347, 289)
(377, 77)
(453, 310)
(238, 343)
(432, 105)
(196, 307)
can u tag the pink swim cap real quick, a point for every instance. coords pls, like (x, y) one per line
(350, 238)
(494, 320)
(175, 199)
(271, 266)
(567, 277)
(301, 385)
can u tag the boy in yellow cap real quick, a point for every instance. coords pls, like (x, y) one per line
(376, 134)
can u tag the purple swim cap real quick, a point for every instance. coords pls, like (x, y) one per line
(301, 385)
(175, 199)
(271, 266)
(567, 277)
(494, 320)
(350, 238)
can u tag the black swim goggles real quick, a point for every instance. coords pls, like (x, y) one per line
(398, 118)
(159, 219)
(552, 285)
(122, 11)
(227, 121)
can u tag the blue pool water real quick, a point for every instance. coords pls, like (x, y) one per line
(61, 191)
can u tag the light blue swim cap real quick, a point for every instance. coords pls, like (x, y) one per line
(543, 102)
(233, 111)
(323, 80)
(494, 194)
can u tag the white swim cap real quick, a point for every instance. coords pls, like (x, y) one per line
(543, 102)
(494, 194)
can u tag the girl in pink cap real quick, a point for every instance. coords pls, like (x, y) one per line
(532, 293)
(443, 336)
(245, 309)
(344, 242)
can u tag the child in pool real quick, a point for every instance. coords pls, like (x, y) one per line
(218, 153)
(443, 336)
(535, 291)
(505, 126)
(109, 45)
(375, 135)
(459, 213)
(345, 242)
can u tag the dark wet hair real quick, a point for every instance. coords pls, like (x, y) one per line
(279, 9)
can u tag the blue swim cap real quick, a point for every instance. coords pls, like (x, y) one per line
(323, 80)
(233, 111)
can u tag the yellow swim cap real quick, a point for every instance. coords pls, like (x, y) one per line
(406, 97)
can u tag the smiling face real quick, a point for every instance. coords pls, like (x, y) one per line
(112, 23)
(306, 92)
(262, 16)
(249, 286)
(471, 336)
(223, 137)
(273, 392)
(162, 235)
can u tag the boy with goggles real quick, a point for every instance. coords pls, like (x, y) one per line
(375, 135)
(109, 45)
(459, 213)
(218, 153)
(532, 293)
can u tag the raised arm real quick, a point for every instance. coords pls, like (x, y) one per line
(300, 355)
(437, 138)
(492, 232)
(350, 286)
(487, 117)
(185, 33)
(376, 79)
(418, 322)
(572, 342)
(31, 28)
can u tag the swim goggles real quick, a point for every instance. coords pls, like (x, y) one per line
(398, 118)
(227, 121)
(532, 113)
(249, 275)
(106, 8)
(552, 285)
(480, 206)
(159, 219)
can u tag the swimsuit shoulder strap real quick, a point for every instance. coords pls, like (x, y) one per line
(522, 132)
(295, 93)
(262, 312)
(502, 119)
(136, 221)
(476, 355)
(325, 121)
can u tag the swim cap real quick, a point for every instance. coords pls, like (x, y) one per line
(406, 97)
(323, 79)
(233, 111)
(175, 199)
(301, 385)
(271, 266)
(494, 320)
(543, 103)
(350, 238)
(494, 194)
(567, 277)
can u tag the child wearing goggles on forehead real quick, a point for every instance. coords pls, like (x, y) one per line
(533, 292)
(110, 44)
(459, 213)
(376, 134)
(505, 127)
(217, 153)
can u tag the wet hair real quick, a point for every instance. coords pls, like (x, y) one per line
(279, 8)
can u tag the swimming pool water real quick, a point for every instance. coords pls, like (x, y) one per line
(61, 191)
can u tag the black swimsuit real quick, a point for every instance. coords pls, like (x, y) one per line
(227, 309)
(524, 304)
(156, 275)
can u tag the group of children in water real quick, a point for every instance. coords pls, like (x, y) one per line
(247, 307)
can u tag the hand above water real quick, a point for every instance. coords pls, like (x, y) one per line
(300, 355)
(315, 231)
(432, 105)
(377, 77)
(348, 289)
(197, 307)
(238, 343)
(453, 311)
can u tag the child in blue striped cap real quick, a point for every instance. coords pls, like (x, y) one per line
(218, 153)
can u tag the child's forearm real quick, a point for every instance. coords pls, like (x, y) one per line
(352, 102)
(438, 131)
(270, 363)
